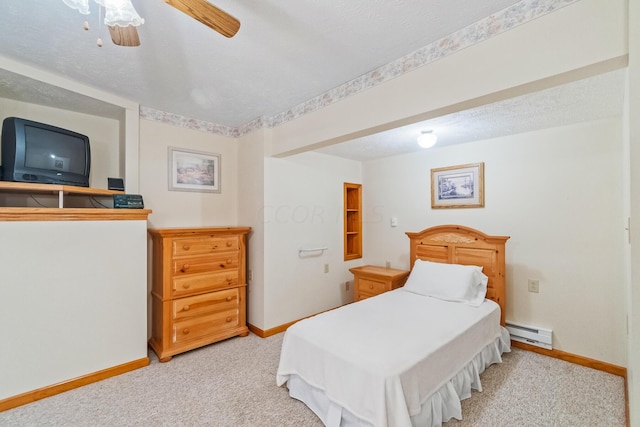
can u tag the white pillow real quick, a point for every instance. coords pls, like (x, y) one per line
(449, 282)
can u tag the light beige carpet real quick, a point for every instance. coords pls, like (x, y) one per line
(232, 383)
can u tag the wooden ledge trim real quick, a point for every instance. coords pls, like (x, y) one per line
(269, 332)
(72, 214)
(198, 231)
(52, 390)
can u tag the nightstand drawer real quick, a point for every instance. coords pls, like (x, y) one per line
(372, 287)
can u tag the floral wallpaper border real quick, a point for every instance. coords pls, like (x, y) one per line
(518, 14)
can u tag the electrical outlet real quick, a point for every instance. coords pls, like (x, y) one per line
(347, 286)
(326, 268)
(250, 275)
(388, 264)
(534, 285)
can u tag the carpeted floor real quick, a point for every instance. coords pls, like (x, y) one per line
(232, 383)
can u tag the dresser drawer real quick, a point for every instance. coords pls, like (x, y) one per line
(195, 328)
(203, 282)
(213, 262)
(371, 287)
(201, 305)
(204, 245)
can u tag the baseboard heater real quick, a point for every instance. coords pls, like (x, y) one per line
(531, 335)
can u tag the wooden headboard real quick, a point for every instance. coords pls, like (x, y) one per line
(456, 244)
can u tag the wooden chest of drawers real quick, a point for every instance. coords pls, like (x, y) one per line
(198, 294)
(370, 280)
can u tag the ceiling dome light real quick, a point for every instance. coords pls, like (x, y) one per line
(427, 139)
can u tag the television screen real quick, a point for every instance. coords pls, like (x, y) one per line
(49, 150)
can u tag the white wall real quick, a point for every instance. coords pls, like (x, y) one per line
(103, 134)
(250, 213)
(558, 194)
(303, 209)
(633, 141)
(74, 300)
(186, 208)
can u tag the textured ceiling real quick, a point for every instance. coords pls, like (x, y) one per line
(584, 100)
(25, 89)
(286, 53)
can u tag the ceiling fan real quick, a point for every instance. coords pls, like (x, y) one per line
(200, 10)
(122, 19)
(209, 15)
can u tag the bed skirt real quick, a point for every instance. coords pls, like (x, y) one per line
(440, 407)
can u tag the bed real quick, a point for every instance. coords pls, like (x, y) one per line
(408, 356)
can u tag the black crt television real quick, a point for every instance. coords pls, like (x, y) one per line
(42, 153)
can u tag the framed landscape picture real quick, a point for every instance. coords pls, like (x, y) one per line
(458, 186)
(194, 171)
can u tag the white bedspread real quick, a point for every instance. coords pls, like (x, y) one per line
(381, 358)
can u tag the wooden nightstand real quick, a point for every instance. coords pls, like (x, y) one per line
(370, 280)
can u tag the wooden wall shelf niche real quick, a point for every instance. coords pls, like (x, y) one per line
(352, 221)
(55, 189)
(61, 213)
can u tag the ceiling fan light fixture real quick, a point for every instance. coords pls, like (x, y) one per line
(81, 6)
(427, 139)
(120, 13)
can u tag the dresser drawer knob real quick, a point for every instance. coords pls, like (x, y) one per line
(186, 331)
(185, 267)
(185, 308)
(229, 243)
(229, 319)
(229, 261)
(186, 247)
(185, 285)
(370, 286)
(229, 298)
(229, 279)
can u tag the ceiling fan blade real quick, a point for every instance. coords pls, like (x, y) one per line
(209, 15)
(124, 36)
